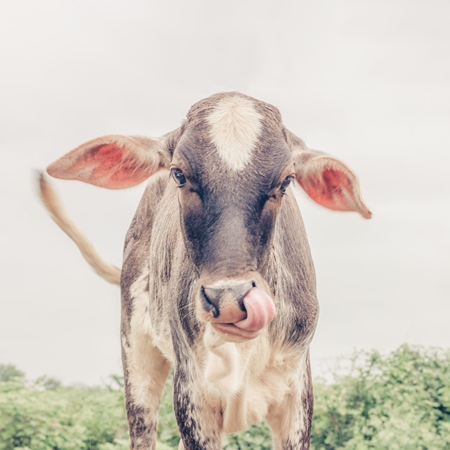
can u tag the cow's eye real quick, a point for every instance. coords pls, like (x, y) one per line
(178, 176)
(285, 184)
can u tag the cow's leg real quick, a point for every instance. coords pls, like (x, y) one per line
(199, 423)
(290, 421)
(146, 371)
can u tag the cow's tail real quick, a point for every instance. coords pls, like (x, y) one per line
(54, 206)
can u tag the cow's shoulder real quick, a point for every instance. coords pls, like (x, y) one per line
(139, 232)
(135, 269)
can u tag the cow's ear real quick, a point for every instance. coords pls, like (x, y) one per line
(328, 181)
(113, 162)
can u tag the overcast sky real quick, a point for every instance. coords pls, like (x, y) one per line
(368, 82)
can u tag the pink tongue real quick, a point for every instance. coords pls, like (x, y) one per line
(260, 310)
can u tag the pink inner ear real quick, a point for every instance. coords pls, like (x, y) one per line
(108, 165)
(118, 166)
(335, 179)
(99, 159)
(329, 189)
(329, 182)
(109, 152)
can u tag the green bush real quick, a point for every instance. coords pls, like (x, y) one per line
(8, 372)
(60, 419)
(399, 401)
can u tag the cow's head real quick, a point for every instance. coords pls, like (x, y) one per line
(232, 162)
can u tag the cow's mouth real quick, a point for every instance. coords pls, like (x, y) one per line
(260, 310)
(231, 329)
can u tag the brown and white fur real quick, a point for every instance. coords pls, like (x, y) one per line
(217, 280)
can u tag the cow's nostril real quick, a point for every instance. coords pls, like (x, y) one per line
(241, 290)
(209, 299)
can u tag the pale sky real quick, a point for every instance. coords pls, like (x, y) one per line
(368, 82)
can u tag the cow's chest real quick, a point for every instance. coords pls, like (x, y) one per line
(244, 380)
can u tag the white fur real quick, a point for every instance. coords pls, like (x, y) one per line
(224, 367)
(244, 380)
(147, 366)
(235, 127)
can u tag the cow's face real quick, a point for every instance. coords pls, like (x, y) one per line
(232, 166)
(232, 161)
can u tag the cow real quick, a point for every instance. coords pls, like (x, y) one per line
(217, 279)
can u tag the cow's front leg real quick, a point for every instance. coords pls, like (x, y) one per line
(145, 373)
(290, 420)
(199, 423)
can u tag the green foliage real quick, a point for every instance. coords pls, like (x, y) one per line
(399, 401)
(48, 383)
(60, 419)
(256, 438)
(8, 372)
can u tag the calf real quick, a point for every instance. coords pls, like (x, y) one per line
(217, 280)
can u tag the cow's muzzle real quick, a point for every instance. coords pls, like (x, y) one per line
(213, 299)
(239, 309)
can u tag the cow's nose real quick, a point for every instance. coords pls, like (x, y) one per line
(213, 297)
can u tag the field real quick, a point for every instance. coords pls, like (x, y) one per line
(396, 401)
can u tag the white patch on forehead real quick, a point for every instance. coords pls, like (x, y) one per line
(235, 127)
